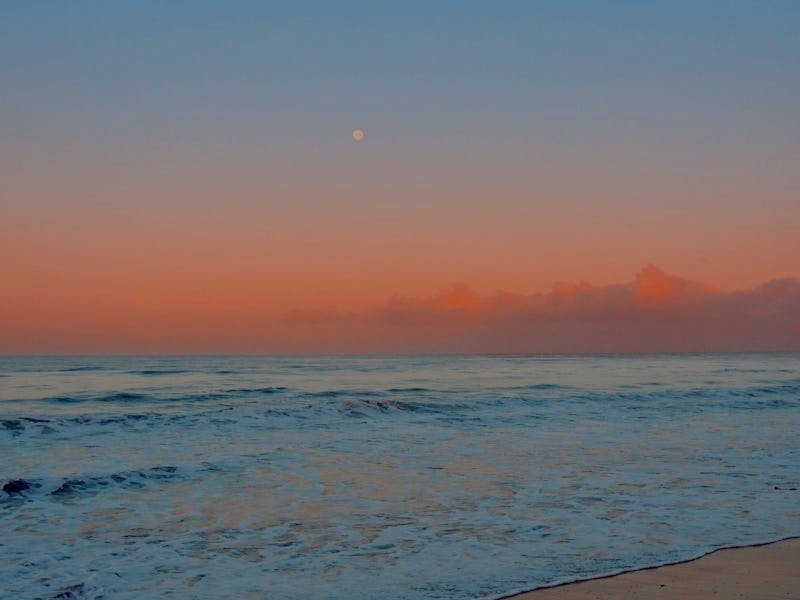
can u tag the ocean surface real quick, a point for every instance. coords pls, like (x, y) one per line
(385, 477)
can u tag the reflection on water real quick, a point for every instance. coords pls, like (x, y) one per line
(406, 477)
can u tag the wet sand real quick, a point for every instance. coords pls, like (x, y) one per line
(755, 572)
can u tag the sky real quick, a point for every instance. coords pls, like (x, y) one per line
(182, 176)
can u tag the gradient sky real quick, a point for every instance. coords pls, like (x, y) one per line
(181, 176)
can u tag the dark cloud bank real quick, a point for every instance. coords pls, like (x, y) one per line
(656, 312)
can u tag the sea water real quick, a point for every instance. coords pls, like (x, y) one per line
(385, 477)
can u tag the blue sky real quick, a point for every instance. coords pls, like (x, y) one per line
(503, 73)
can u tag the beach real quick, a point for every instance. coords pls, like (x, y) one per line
(399, 300)
(765, 571)
(407, 478)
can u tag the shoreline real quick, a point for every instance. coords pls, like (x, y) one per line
(726, 576)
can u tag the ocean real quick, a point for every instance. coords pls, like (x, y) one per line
(385, 477)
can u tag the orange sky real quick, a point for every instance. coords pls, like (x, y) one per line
(188, 262)
(181, 183)
(246, 293)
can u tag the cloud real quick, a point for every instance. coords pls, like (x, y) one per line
(656, 312)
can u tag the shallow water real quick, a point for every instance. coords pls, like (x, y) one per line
(401, 477)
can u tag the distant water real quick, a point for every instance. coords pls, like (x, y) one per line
(402, 477)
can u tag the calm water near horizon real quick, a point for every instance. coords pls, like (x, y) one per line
(385, 477)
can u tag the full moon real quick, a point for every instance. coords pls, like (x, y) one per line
(358, 135)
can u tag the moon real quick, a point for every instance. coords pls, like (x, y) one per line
(358, 134)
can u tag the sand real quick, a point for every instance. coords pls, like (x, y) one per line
(754, 572)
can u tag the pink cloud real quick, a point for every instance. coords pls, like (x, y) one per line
(656, 312)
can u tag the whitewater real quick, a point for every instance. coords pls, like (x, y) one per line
(384, 477)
